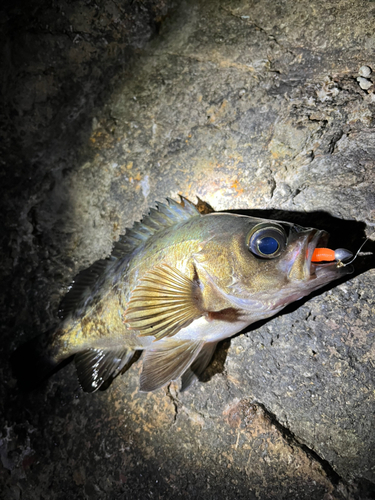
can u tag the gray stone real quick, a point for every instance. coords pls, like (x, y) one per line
(364, 83)
(364, 71)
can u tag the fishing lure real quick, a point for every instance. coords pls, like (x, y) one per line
(340, 255)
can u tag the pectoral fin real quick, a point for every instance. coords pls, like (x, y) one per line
(95, 366)
(167, 361)
(163, 302)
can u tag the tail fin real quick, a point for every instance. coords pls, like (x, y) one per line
(31, 362)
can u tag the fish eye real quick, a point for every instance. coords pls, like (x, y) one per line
(267, 240)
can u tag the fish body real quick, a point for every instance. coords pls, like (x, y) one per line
(175, 285)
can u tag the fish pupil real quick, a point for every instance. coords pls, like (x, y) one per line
(267, 240)
(268, 245)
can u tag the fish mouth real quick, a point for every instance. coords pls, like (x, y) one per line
(326, 271)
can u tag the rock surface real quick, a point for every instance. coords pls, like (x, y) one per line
(110, 106)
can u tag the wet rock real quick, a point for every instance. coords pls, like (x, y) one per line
(249, 106)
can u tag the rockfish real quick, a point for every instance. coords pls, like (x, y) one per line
(175, 285)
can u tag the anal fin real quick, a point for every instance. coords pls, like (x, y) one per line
(167, 360)
(196, 369)
(96, 366)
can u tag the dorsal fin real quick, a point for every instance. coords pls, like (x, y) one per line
(156, 220)
(84, 289)
(87, 287)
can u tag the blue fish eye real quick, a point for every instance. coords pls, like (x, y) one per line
(267, 240)
(267, 245)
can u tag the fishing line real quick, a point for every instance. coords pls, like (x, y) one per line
(342, 264)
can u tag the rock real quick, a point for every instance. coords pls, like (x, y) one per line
(249, 105)
(364, 71)
(364, 83)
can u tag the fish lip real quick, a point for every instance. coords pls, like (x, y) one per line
(320, 240)
(319, 237)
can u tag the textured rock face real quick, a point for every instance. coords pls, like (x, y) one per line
(249, 105)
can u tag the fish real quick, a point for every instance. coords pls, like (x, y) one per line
(178, 282)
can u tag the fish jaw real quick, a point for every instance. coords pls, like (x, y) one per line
(303, 275)
(311, 275)
(292, 277)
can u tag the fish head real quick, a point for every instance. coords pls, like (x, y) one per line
(260, 265)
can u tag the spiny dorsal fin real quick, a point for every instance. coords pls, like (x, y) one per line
(163, 302)
(203, 207)
(86, 287)
(96, 366)
(157, 219)
(166, 361)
